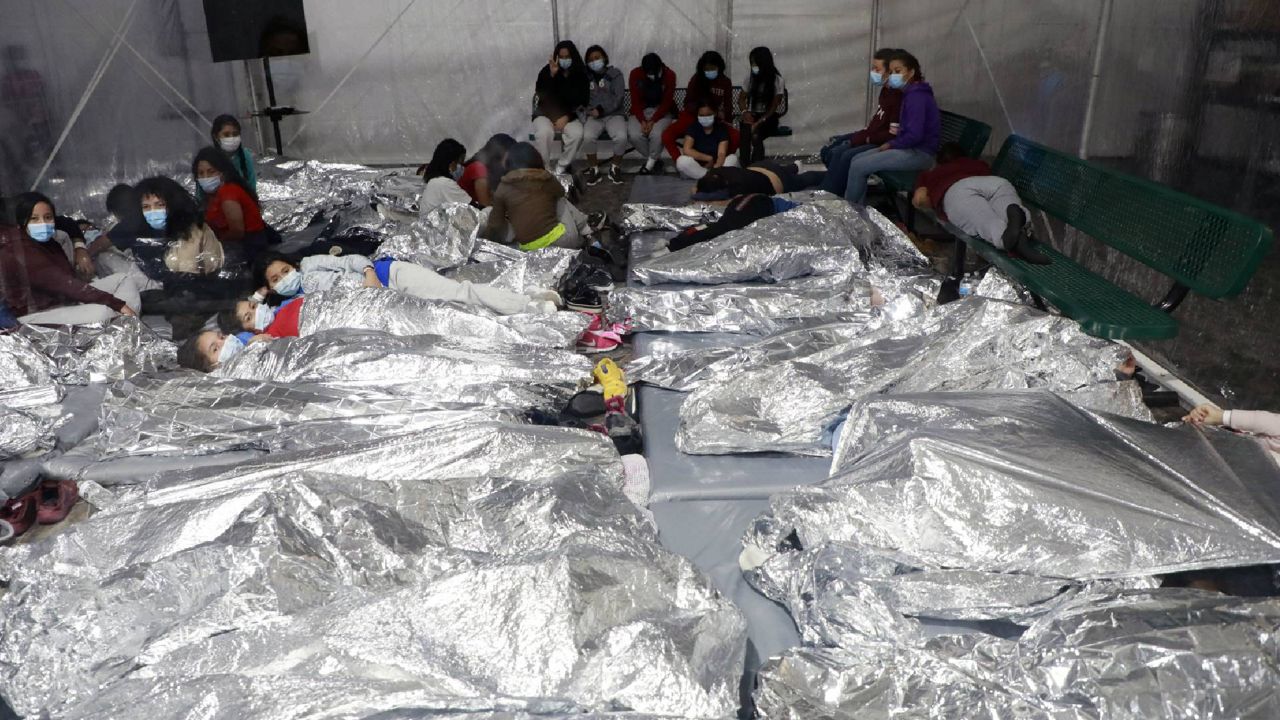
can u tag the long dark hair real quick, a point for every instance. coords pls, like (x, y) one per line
(181, 209)
(25, 203)
(652, 64)
(221, 163)
(494, 156)
(764, 85)
(911, 62)
(578, 67)
(523, 156)
(447, 152)
(710, 57)
(264, 261)
(222, 121)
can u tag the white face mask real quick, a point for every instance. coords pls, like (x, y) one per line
(229, 144)
(707, 120)
(231, 346)
(596, 65)
(565, 63)
(289, 284)
(755, 70)
(262, 317)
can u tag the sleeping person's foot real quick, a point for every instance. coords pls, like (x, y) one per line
(1018, 239)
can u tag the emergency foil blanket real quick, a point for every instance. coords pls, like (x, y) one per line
(481, 567)
(765, 401)
(1128, 655)
(116, 350)
(399, 314)
(27, 376)
(992, 505)
(293, 192)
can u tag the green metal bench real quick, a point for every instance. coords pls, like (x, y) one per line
(1199, 246)
(970, 134)
(783, 130)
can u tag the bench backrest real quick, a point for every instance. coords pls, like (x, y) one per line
(1209, 249)
(737, 93)
(970, 134)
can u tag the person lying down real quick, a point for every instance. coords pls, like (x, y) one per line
(286, 278)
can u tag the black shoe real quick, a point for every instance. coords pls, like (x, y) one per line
(584, 299)
(646, 170)
(615, 174)
(949, 292)
(658, 168)
(1017, 222)
(597, 220)
(592, 175)
(585, 405)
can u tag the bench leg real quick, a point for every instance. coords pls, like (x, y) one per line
(911, 215)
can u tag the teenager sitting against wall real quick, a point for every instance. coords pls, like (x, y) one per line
(706, 145)
(37, 280)
(441, 177)
(530, 209)
(919, 132)
(879, 130)
(653, 104)
(563, 91)
(760, 102)
(604, 113)
(965, 192)
(708, 86)
(230, 207)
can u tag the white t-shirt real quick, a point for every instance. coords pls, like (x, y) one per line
(440, 191)
(762, 105)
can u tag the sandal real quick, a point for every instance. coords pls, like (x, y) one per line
(54, 500)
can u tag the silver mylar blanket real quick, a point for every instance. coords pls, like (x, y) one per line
(292, 192)
(482, 566)
(27, 376)
(1126, 655)
(788, 401)
(990, 505)
(443, 238)
(116, 350)
(399, 314)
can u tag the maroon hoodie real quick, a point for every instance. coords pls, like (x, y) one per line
(37, 276)
(720, 97)
(940, 179)
(877, 131)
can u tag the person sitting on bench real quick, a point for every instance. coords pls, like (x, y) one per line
(739, 212)
(563, 91)
(964, 192)
(706, 146)
(1265, 425)
(604, 113)
(880, 130)
(767, 177)
(653, 92)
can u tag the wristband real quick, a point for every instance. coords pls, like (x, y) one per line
(78, 244)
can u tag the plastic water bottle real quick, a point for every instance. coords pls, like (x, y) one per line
(968, 284)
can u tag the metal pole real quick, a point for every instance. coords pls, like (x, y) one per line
(728, 40)
(874, 33)
(555, 21)
(1099, 47)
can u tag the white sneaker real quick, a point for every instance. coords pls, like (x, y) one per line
(546, 295)
(541, 307)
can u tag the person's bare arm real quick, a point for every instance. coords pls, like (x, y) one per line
(722, 151)
(234, 214)
(483, 197)
(688, 150)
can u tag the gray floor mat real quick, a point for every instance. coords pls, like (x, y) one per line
(660, 190)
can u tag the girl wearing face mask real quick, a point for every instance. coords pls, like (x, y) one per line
(563, 92)
(842, 148)
(604, 114)
(441, 176)
(653, 104)
(226, 137)
(38, 281)
(761, 99)
(706, 146)
(230, 208)
(708, 86)
(183, 242)
(919, 134)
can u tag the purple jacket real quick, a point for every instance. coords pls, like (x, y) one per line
(920, 122)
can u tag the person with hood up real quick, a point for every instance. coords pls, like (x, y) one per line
(919, 134)
(530, 209)
(604, 113)
(653, 102)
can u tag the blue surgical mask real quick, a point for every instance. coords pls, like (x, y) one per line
(896, 81)
(457, 173)
(210, 184)
(755, 70)
(262, 317)
(289, 285)
(706, 120)
(156, 218)
(231, 346)
(92, 234)
(877, 78)
(565, 63)
(596, 65)
(40, 232)
(711, 74)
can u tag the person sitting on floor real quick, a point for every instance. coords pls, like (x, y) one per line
(183, 242)
(318, 273)
(739, 212)
(226, 137)
(441, 177)
(530, 209)
(230, 208)
(708, 86)
(965, 193)
(1265, 425)
(483, 172)
(879, 130)
(706, 146)
(767, 177)
(37, 280)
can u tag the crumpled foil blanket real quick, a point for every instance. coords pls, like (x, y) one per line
(444, 238)
(992, 505)
(24, 431)
(1120, 655)
(481, 566)
(399, 314)
(293, 192)
(786, 396)
(116, 350)
(27, 376)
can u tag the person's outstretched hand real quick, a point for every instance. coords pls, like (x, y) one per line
(1207, 414)
(128, 311)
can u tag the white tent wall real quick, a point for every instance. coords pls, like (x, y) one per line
(134, 122)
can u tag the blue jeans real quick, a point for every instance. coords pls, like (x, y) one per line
(865, 165)
(838, 167)
(835, 143)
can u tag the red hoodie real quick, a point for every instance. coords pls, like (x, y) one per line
(720, 98)
(285, 323)
(940, 179)
(877, 131)
(636, 82)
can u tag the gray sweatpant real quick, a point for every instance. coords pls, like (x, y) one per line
(121, 285)
(427, 284)
(978, 205)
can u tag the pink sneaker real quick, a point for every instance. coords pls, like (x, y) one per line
(598, 341)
